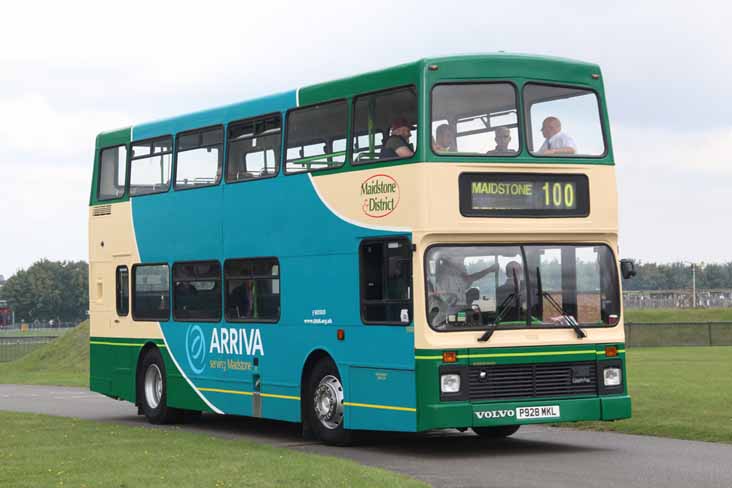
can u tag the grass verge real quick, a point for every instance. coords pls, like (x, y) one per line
(679, 392)
(65, 361)
(661, 315)
(39, 450)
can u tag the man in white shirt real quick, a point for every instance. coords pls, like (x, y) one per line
(556, 142)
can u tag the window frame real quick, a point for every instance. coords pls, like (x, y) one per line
(280, 159)
(224, 290)
(529, 281)
(117, 290)
(173, 295)
(127, 171)
(518, 98)
(416, 131)
(529, 131)
(176, 143)
(130, 158)
(361, 301)
(133, 293)
(349, 108)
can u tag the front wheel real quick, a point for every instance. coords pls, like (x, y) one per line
(153, 390)
(325, 403)
(496, 432)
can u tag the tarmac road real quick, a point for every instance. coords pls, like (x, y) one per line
(534, 457)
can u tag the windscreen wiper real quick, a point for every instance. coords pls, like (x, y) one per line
(504, 308)
(567, 319)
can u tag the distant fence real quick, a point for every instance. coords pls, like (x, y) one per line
(718, 298)
(679, 334)
(14, 347)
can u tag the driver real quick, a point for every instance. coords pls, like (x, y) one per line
(451, 285)
(453, 278)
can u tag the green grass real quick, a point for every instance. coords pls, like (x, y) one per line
(65, 361)
(679, 392)
(38, 450)
(660, 315)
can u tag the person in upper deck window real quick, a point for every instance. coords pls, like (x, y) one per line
(397, 145)
(444, 139)
(556, 142)
(503, 139)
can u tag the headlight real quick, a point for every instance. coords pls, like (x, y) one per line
(612, 376)
(450, 383)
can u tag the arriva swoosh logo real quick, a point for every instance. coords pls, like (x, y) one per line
(196, 349)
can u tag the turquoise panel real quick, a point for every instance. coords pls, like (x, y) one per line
(318, 252)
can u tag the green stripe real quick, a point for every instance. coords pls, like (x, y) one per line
(515, 354)
(124, 344)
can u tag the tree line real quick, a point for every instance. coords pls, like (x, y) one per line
(675, 276)
(49, 290)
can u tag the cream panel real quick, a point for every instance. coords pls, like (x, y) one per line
(112, 243)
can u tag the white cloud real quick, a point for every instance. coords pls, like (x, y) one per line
(30, 125)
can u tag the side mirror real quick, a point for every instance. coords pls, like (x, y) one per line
(627, 268)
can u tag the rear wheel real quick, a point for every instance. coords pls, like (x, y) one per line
(496, 432)
(325, 404)
(153, 390)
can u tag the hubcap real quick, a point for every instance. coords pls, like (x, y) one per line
(153, 385)
(328, 402)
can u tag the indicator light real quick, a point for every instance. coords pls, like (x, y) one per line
(449, 357)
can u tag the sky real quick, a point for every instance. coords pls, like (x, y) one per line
(69, 70)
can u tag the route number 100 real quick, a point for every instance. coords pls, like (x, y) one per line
(558, 195)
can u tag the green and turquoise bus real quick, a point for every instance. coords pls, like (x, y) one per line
(428, 246)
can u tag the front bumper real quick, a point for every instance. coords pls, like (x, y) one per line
(471, 408)
(486, 414)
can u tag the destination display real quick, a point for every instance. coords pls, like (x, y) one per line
(524, 195)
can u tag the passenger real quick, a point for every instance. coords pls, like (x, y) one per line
(514, 276)
(397, 145)
(556, 141)
(241, 300)
(444, 139)
(503, 139)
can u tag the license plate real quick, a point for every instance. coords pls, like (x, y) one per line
(551, 411)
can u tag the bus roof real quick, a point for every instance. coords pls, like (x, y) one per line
(499, 65)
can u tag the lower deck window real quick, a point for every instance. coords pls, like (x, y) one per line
(197, 291)
(123, 291)
(386, 282)
(151, 292)
(252, 290)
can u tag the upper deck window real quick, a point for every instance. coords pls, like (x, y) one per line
(383, 125)
(199, 158)
(150, 166)
(475, 119)
(254, 148)
(316, 137)
(112, 172)
(563, 121)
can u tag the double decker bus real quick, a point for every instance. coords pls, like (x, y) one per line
(432, 245)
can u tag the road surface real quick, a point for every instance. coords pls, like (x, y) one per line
(536, 456)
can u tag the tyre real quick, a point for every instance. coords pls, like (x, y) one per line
(496, 432)
(325, 404)
(153, 390)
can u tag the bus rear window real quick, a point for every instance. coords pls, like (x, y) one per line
(477, 119)
(112, 173)
(563, 121)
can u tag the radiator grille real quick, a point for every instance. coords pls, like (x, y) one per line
(532, 380)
